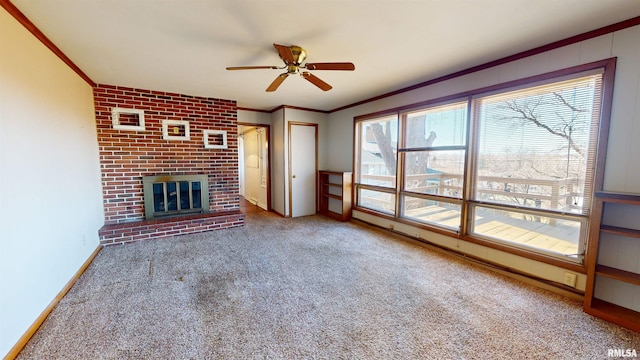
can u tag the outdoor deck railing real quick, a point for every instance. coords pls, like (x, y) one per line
(558, 194)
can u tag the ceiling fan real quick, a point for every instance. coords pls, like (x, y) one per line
(293, 56)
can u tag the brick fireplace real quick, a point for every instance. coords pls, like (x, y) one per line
(164, 134)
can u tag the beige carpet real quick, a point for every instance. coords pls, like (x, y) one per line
(309, 288)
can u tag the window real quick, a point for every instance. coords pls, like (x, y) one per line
(535, 149)
(378, 154)
(434, 150)
(513, 165)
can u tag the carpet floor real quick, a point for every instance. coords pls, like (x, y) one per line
(309, 288)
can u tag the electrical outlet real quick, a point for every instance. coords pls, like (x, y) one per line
(570, 279)
(390, 226)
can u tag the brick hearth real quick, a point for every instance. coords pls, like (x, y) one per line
(161, 228)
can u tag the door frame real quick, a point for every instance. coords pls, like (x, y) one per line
(290, 171)
(267, 129)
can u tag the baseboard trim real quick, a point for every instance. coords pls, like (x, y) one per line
(24, 339)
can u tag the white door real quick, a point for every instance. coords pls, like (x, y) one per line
(303, 160)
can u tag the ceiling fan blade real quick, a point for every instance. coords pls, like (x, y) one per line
(285, 53)
(276, 83)
(251, 67)
(331, 66)
(316, 81)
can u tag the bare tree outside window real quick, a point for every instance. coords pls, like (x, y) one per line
(536, 137)
(524, 179)
(384, 141)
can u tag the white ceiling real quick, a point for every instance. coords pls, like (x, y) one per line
(184, 46)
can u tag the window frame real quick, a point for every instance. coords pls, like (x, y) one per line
(607, 67)
(357, 185)
(472, 203)
(402, 154)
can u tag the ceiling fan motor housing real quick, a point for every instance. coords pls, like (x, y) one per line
(299, 54)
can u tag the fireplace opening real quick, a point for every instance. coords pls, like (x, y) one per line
(172, 195)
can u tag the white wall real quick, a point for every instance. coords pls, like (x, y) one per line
(50, 192)
(254, 117)
(278, 159)
(622, 173)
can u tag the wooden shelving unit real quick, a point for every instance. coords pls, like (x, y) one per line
(618, 274)
(334, 194)
(606, 310)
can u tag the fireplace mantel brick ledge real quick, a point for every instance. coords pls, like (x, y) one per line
(167, 227)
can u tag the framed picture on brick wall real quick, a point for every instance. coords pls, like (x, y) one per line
(127, 119)
(215, 139)
(175, 130)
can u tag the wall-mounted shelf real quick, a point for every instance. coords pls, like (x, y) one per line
(620, 231)
(618, 274)
(334, 193)
(601, 236)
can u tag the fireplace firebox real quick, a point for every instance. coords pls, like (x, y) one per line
(172, 195)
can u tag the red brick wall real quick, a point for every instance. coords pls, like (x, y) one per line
(126, 156)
